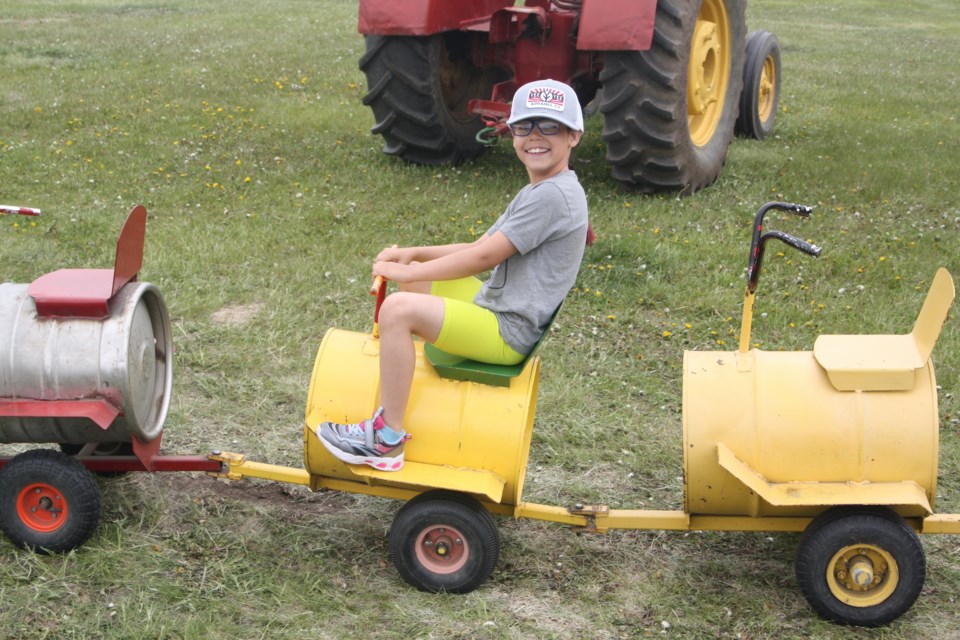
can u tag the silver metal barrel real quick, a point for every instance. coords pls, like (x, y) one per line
(125, 359)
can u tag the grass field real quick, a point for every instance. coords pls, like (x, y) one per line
(239, 125)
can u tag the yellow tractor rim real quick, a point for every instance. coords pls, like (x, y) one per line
(862, 575)
(767, 92)
(708, 73)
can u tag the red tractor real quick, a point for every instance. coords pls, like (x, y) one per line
(673, 79)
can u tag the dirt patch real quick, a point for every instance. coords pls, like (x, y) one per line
(237, 315)
(272, 493)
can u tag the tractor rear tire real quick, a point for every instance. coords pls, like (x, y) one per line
(49, 502)
(419, 88)
(669, 112)
(761, 86)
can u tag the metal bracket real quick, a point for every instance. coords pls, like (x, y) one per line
(591, 511)
(228, 459)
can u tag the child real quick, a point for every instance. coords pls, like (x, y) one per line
(534, 250)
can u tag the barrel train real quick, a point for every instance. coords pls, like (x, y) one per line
(839, 443)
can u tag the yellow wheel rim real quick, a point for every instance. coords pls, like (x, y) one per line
(766, 96)
(708, 74)
(862, 575)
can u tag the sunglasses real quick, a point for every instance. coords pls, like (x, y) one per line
(525, 127)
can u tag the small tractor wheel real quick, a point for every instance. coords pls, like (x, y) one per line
(49, 502)
(444, 542)
(419, 88)
(860, 566)
(761, 86)
(669, 112)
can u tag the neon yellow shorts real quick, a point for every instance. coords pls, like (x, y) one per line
(468, 329)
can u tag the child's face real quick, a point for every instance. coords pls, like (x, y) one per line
(545, 156)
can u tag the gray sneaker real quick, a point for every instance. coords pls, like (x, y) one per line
(360, 443)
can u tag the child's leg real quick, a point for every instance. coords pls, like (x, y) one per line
(472, 331)
(409, 312)
(416, 287)
(402, 316)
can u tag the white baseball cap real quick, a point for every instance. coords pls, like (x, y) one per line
(548, 99)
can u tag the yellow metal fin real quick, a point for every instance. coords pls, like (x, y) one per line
(887, 362)
(435, 476)
(816, 494)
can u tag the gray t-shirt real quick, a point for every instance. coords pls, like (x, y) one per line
(547, 223)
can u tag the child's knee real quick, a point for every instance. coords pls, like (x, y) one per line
(401, 307)
(394, 306)
(412, 312)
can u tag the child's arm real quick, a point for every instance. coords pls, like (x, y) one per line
(448, 262)
(406, 255)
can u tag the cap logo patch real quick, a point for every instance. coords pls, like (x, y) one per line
(546, 98)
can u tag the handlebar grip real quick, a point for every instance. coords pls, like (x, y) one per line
(378, 282)
(23, 211)
(801, 245)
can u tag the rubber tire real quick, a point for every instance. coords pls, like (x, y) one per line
(751, 123)
(419, 88)
(62, 474)
(449, 509)
(845, 526)
(644, 104)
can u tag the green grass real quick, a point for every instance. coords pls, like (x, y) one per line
(239, 125)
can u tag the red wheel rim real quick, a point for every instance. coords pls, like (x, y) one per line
(41, 507)
(442, 549)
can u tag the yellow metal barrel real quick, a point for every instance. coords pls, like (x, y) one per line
(769, 434)
(460, 429)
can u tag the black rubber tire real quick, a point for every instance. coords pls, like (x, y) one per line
(419, 88)
(761, 86)
(442, 541)
(47, 483)
(644, 102)
(877, 529)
